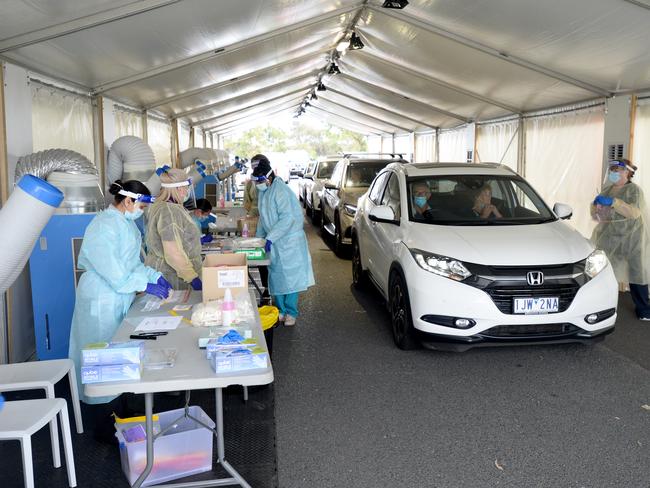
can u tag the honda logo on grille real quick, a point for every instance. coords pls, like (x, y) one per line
(535, 278)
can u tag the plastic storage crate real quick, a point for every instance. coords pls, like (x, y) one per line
(184, 450)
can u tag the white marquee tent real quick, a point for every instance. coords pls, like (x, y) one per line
(532, 80)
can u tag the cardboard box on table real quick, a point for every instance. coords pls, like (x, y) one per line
(221, 271)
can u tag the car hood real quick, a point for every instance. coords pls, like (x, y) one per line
(352, 195)
(508, 245)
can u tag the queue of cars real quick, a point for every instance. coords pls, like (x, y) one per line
(465, 254)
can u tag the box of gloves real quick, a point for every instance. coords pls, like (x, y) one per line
(231, 360)
(111, 361)
(221, 271)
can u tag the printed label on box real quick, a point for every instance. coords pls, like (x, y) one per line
(231, 278)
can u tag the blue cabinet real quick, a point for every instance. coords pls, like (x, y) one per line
(54, 276)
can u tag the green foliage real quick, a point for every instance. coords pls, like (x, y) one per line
(316, 141)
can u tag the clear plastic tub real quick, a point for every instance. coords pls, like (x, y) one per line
(184, 450)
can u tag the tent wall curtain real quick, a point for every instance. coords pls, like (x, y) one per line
(641, 148)
(198, 137)
(403, 146)
(61, 119)
(127, 122)
(564, 160)
(425, 147)
(374, 144)
(497, 143)
(387, 144)
(159, 137)
(184, 137)
(453, 146)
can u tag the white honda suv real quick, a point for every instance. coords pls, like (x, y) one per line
(469, 254)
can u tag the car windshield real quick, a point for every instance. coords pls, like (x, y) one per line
(360, 174)
(325, 169)
(475, 200)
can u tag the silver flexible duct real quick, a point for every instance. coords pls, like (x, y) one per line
(130, 158)
(42, 163)
(70, 171)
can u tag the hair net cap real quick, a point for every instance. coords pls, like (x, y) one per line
(173, 175)
(263, 165)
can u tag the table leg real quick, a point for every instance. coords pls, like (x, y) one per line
(148, 408)
(220, 442)
(257, 287)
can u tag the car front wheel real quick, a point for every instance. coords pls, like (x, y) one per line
(400, 314)
(359, 275)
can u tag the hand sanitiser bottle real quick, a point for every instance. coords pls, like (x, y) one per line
(228, 309)
(244, 230)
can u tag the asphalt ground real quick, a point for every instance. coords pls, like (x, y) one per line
(352, 410)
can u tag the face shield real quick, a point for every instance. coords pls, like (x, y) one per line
(183, 192)
(141, 201)
(262, 178)
(618, 173)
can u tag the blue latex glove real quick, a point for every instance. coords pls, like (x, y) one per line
(2, 401)
(196, 284)
(206, 238)
(239, 166)
(267, 246)
(157, 290)
(163, 282)
(603, 200)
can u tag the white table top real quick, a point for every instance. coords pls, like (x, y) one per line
(192, 370)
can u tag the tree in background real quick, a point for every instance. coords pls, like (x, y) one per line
(317, 141)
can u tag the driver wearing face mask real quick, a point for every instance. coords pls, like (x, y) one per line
(173, 239)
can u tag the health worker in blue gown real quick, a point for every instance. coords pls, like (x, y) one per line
(114, 273)
(281, 224)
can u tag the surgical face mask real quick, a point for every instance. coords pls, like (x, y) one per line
(614, 176)
(135, 215)
(420, 201)
(261, 187)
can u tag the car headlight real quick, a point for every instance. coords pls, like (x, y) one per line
(595, 263)
(441, 265)
(351, 210)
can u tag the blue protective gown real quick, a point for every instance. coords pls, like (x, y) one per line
(110, 256)
(281, 222)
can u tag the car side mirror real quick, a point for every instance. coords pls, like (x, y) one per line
(563, 211)
(309, 177)
(383, 213)
(300, 174)
(329, 185)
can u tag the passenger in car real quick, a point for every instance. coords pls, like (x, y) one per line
(483, 206)
(421, 197)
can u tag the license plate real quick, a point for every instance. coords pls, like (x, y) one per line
(536, 306)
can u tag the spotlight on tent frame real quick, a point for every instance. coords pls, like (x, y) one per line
(400, 4)
(355, 42)
(321, 87)
(313, 96)
(334, 69)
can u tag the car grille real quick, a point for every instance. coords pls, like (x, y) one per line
(503, 295)
(529, 331)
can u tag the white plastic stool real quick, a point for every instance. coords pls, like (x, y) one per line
(21, 419)
(36, 375)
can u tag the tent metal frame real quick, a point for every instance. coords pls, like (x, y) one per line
(214, 53)
(409, 19)
(82, 23)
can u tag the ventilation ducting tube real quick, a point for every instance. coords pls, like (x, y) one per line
(69, 171)
(22, 219)
(130, 158)
(214, 159)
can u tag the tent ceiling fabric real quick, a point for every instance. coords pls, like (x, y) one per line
(433, 64)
